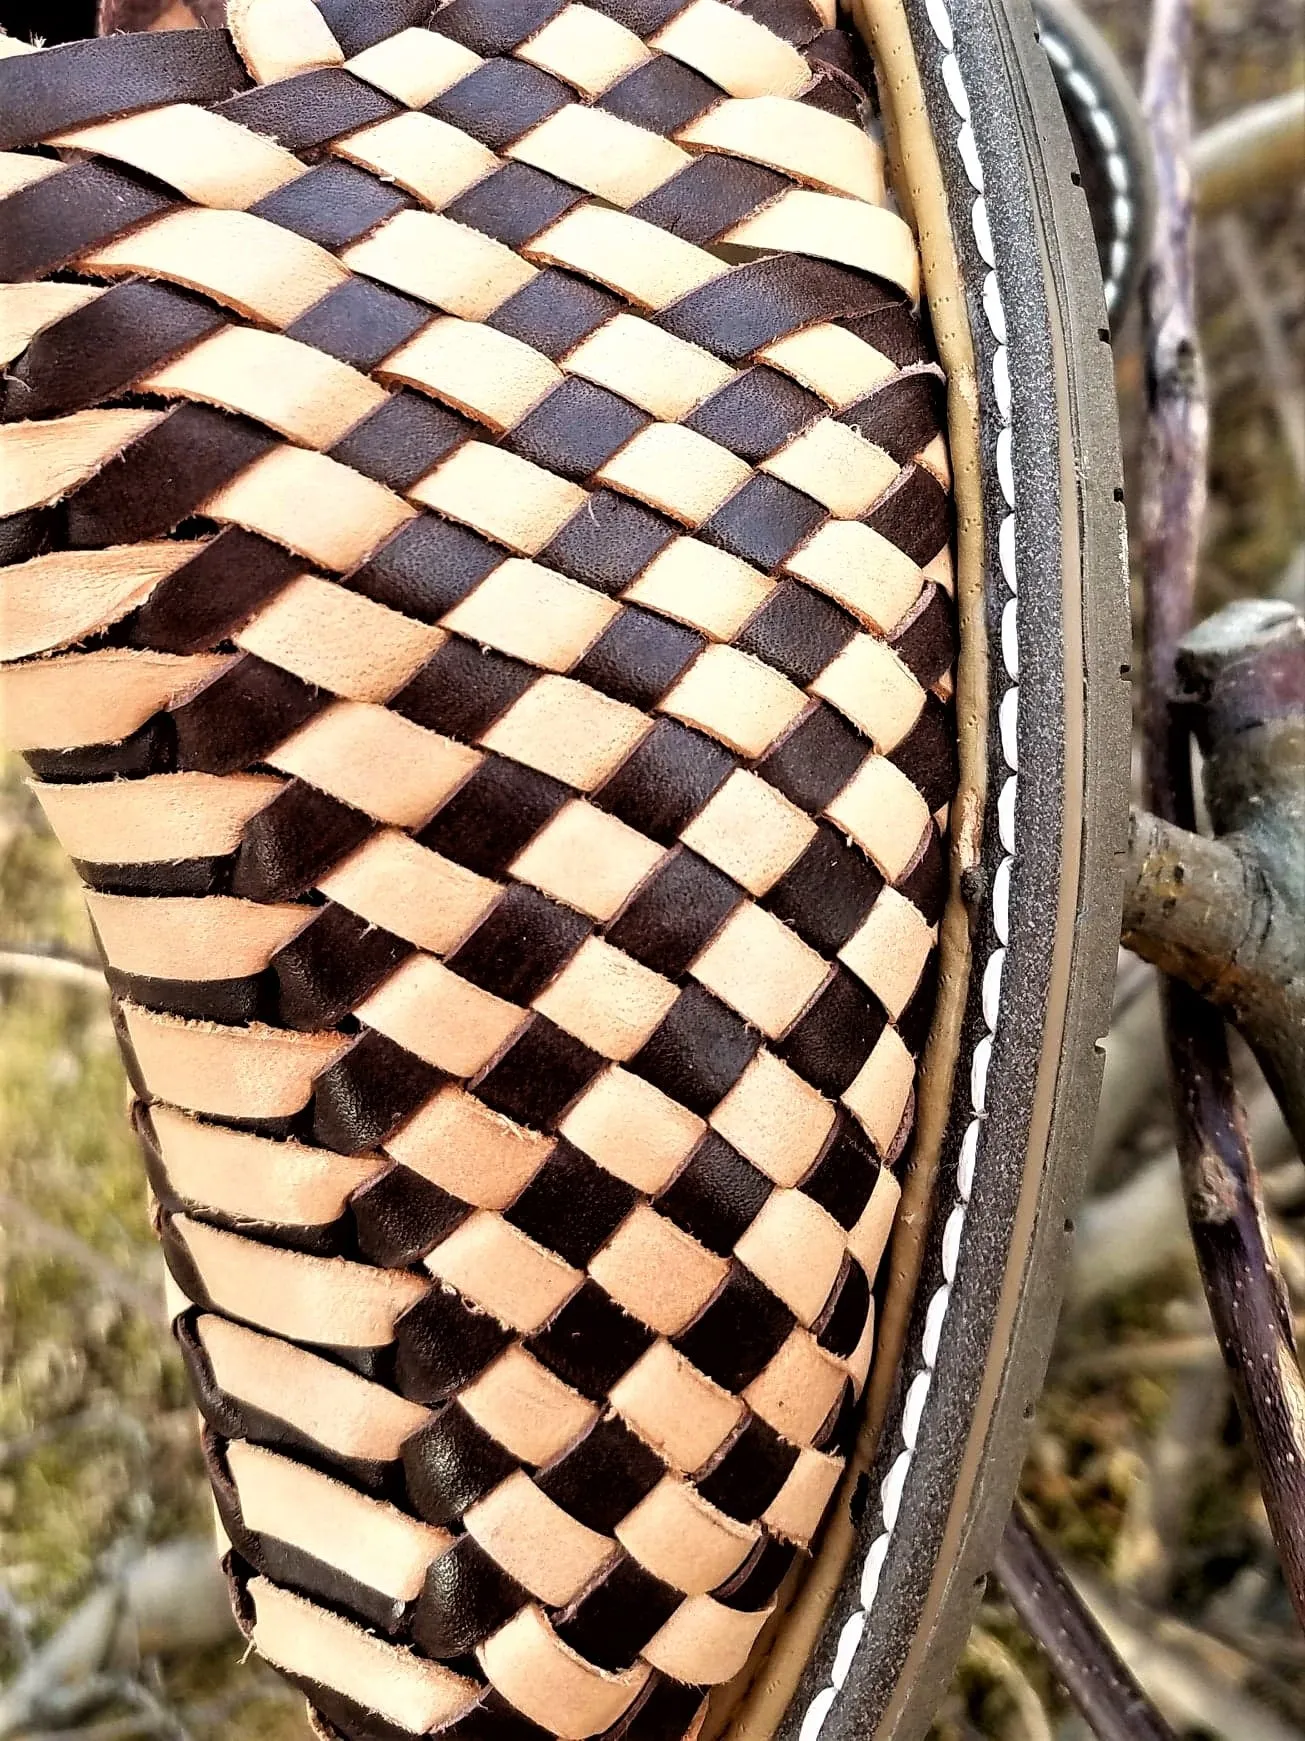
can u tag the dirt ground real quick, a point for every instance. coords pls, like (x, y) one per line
(1137, 1468)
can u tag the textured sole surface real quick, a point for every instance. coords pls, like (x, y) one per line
(988, 1302)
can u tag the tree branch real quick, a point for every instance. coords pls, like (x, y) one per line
(172, 1598)
(1257, 150)
(1244, 1289)
(1081, 1657)
(1205, 911)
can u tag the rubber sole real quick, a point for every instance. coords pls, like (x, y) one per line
(1025, 1095)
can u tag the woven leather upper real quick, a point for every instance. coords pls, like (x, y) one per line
(478, 611)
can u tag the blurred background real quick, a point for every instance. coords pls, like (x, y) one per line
(1137, 1470)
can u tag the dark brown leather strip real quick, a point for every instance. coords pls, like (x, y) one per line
(751, 307)
(163, 477)
(332, 205)
(99, 350)
(357, 24)
(311, 109)
(79, 82)
(709, 197)
(662, 95)
(500, 101)
(495, 26)
(50, 222)
(514, 204)
(208, 598)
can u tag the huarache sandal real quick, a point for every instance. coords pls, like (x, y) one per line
(564, 595)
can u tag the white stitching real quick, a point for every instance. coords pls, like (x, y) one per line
(891, 1489)
(1123, 207)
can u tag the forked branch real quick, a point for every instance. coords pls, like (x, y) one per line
(1226, 915)
(1242, 1284)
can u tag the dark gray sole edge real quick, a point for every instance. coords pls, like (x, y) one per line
(949, 1463)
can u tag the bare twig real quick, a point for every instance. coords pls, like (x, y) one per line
(990, 1656)
(1159, 1356)
(1139, 1228)
(1204, 911)
(1244, 1290)
(1134, 1079)
(1145, 1551)
(171, 1598)
(58, 969)
(1282, 377)
(1079, 1652)
(1258, 149)
(37, 1232)
(1179, 1668)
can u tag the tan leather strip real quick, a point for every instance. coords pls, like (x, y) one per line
(646, 264)
(54, 600)
(40, 462)
(293, 388)
(253, 1072)
(444, 263)
(742, 701)
(662, 374)
(348, 1414)
(277, 38)
(417, 1694)
(247, 1176)
(165, 816)
(728, 47)
(588, 859)
(676, 1535)
(882, 1090)
(708, 589)
(831, 361)
(449, 1022)
(96, 698)
(704, 1642)
(488, 374)
(774, 1118)
(632, 1129)
(345, 643)
(526, 1408)
(458, 1143)
(807, 143)
(549, 1552)
(586, 48)
(313, 505)
(510, 500)
(421, 153)
(393, 882)
(204, 156)
(309, 1299)
(414, 65)
(530, 1665)
(680, 1413)
(256, 267)
(502, 1272)
(177, 937)
(796, 1510)
(660, 1274)
(866, 574)
(804, 222)
(363, 1538)
(25, 309)
(377, 761)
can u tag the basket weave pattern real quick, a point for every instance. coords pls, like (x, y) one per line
(476, 603)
